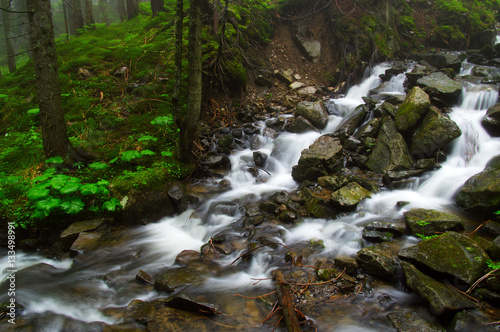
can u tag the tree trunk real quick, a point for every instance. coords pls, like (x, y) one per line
(65, 13)
(89, 14)
(190, 123)
(77, 15)
(178, 61)
(9, 39)
(157, 6)
(103, 9)
(54, 134)
(132, 9)
(121, 10)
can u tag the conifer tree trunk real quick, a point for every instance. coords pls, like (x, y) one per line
(65, 13)
(190, 123)
(179, 17)
(77, 15)
(89, 13)
(9, 38)
(54, 134)
(121, 10)
(132, 9)
(157, 6)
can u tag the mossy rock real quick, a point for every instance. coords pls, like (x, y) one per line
(451, 254)
(414, 106)
(428, 222)
(349, 196)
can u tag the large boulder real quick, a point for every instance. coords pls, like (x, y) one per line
(482, 191)
(314, 112)
(195, 273)
(414, 106)
(442, 298)
(379, 260)
(391, 152)
(491, 122)
(438, 84)
(349, 196)
(70, 234)
(434, 133)
(431, 222)
(323, 157)
(310, 47)
(352, 121)
(446, 60)
(299, 125)
(451, 254)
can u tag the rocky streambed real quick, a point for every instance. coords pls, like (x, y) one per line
(371, 211)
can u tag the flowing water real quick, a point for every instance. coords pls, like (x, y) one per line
(84, 288)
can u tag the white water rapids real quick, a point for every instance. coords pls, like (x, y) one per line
(81, 292)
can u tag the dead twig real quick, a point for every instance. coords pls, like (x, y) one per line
(257, 297)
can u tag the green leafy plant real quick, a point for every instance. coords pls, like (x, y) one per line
(425, 237)
(423, 223)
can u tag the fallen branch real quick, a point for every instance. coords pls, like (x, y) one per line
(285, 299)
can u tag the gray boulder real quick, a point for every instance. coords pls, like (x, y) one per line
(431, 222)
(451, 254)
(434, 133)
(442, 299)
(310, 47)
(414, 106)
(491, 122)
(314, 112)
(379, 260)
(482, 191)
(438, 84)
(299, 125)
(391, 152)
(322, 158)
(448, 60)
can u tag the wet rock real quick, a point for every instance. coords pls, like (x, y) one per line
(431, 222)
(349, 196)
(442, 299)
(481, 192)
(287, 216)
(214, 162)
(440, 85)
(380, 231)
(195, 273)
(348, 263)
(86, 241)
(445, 60)
(352, 121)
(299, 125)
(418, 72)
(176, 192)
(70, 234)
(379, 261)
(391, 152)
(269, 207)
(471, 320)
(324, 156)
(413, 321)
(143, 277)
(492, 248)
(184, 302)
(434, 133)
(415, 105)
(140, 311)
(145, 206)
(260, 158)
(491, 121)
(368, 129)
(237, 133)
(451, 254)
(314, 112)
(332, 182)
(263, 81)
(252, 210)
(317, 206)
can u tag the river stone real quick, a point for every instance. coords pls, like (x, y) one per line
(492, 248)
(140, 311)
(473, 320)
(440, 85)
(299, 125)
(443, 60)
(391, 152)
(482, 191)
(368, 129)
(414, 106)
(352, 121)
(314, 112)
(442, 299)
(413, 321)
(332, 182)
(434, 133)
(452, 254)
(194, 273)
(70, 234)
(431, 222)
(491, 122)
(86, 241)
(349, 196)
(379, 260)
(316, 206)
(323, 157)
